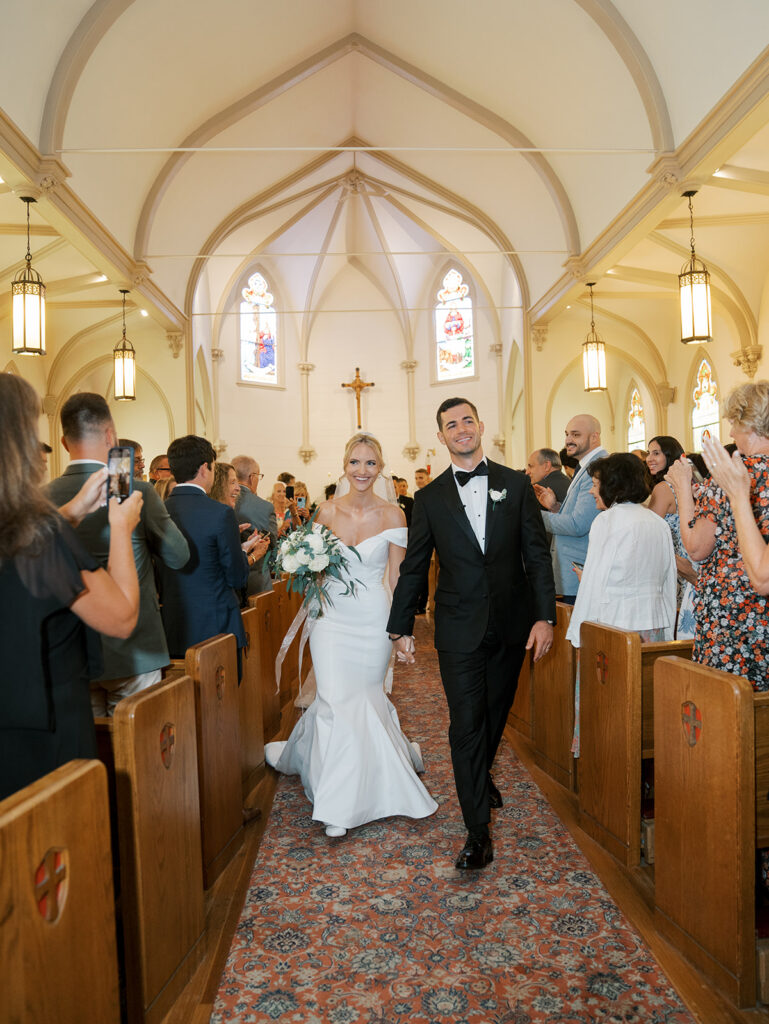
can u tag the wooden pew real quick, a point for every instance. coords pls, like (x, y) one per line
(158, 813)
(268, 627)
(521, 713)
(616, 733)
(252, 767)
(212, 665)
(712, 813)
(552, 695)
(58, 956)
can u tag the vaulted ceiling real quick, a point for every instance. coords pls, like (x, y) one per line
(544, 143)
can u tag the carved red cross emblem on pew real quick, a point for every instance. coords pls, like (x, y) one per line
(691, 717)
(601, 666)
(167, 744)
(51, 884)
(220, 680)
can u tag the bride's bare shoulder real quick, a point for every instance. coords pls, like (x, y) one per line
(392, 516)
(324, 515)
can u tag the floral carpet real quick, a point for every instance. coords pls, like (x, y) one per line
(380, 928)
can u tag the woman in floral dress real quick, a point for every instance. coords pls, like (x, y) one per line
(732, 629)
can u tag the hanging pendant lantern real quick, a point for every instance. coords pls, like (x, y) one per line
(694, 293)
(28, 304)
(593, 354)
(125, 364)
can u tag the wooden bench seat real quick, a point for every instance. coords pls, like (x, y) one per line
(712, 813)
(58, 956)
(616, 733)
(552, 695)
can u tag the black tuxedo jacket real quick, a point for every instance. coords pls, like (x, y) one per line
(509, 585)
(199, 600)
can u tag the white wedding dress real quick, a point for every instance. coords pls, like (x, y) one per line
(355, 763)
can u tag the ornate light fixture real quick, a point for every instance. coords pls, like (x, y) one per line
(125, 364)
(28, 298)
(694, 293)
(594, 354)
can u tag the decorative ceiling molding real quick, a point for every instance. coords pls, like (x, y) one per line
(353, 43)
(641, 70)
(93, 27)
(741, 112)
(741, 179)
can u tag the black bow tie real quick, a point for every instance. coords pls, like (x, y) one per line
(463, 476)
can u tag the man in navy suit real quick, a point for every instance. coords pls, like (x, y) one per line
(494, 600)
(569, 522)
(199, 600)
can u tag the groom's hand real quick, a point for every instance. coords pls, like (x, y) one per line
(540, 638)
(404, 649)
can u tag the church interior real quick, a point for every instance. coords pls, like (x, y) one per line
(439, 197)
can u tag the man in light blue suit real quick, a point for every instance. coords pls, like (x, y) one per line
(570, 521)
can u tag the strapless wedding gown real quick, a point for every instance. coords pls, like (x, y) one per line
(355, 763)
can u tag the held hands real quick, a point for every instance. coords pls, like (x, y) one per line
(729, 473)
(540, 638)
(89, 498)
(404, 649)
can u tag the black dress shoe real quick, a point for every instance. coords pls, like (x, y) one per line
(495, 797)
(477, 853)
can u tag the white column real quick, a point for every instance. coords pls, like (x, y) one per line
(306, 453)
(411, 450)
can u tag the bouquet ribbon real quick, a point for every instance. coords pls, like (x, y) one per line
(300, 618)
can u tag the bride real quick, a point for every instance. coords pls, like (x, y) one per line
(355, 763)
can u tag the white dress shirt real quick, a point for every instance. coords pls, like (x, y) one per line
(474, 497)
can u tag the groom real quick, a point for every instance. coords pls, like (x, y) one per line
(494, 600)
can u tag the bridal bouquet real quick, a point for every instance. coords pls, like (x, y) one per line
(310, 556)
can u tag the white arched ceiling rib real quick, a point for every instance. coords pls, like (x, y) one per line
(641, 70)
(95, 24)
(308, 316)
(354, 43)
(403, 315)
(257, 252)
(62, 356)
(461, 208)
(607, 314)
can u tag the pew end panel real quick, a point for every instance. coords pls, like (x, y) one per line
(252, 766)
(268, 627)
(520, 714)
(705, 821)
(761, 734)
(212, 665)
(649, 655)
(610, 739)
(156, 767)
(552, 692)
(58, 948)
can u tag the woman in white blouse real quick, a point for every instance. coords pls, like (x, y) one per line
(629, 577)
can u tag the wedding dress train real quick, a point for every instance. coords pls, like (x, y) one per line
(355, 763)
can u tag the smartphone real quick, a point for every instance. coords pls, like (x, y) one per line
(301, 502)
(578, 565)
(120, 473)
(289, 492)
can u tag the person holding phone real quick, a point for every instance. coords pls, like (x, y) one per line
(251, 508)
(134, 663)
(51, 587)
(286, 517)
(629, 576)
(302, 499)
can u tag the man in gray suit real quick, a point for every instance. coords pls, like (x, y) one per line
(133, 664)
(250, 508)
(569, 521)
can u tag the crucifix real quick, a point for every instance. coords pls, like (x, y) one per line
(358, 385)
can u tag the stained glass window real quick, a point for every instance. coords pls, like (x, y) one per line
(454, 349)
(636, 422)
(258, 333)
(706, 420)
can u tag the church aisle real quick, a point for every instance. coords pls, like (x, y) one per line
(380, 927)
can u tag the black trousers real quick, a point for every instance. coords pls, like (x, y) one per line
(480, 687)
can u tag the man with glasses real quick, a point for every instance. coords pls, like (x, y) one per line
(126, 442)
(159, 468)
(250, 508)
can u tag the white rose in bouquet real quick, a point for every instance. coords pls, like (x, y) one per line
(303, 557)
(315, 541)
(319, 562)
(289, 563)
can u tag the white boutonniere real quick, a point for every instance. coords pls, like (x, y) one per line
(496, 497)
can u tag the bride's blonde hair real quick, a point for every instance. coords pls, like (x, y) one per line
(363, 438)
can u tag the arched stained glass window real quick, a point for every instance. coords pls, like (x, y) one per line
(258, 333)
(706, 419)
(454, 347)
(636, 422)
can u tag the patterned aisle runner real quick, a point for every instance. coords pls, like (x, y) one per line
(379, 927)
